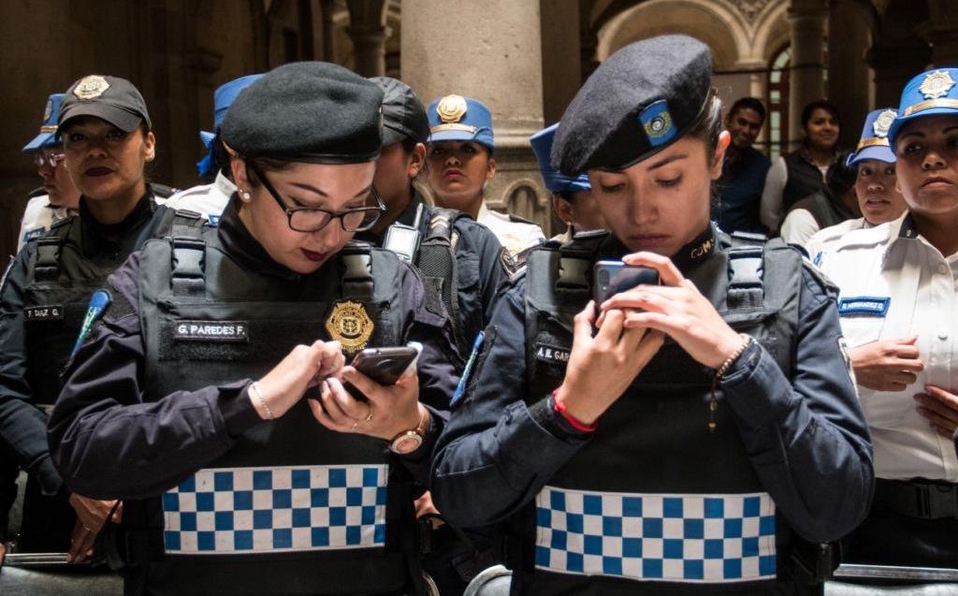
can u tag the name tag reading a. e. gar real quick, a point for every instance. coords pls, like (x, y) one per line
(212, 331)
(43, 313)
(553, 354)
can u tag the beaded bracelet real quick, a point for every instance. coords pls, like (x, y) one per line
(720, 374)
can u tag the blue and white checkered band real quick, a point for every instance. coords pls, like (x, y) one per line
(257, 510)
(657, 537)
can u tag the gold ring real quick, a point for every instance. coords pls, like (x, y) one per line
(369, 416)
(354, 426)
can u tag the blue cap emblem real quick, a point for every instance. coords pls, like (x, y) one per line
(657, 122)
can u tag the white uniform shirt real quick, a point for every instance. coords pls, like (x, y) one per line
(823, 239)
(895, 284)
(38, 217)
(515, 236)
(208, 200)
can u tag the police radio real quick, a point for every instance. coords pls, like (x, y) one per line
(404, 240)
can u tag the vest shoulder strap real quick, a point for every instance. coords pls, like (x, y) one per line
(357, 278)
(46, 266)
(436, 261)
(746, 268)
(188, 262)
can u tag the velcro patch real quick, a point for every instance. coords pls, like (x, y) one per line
(554, 354)
(212, 331)
(43, 313)
(864, 306)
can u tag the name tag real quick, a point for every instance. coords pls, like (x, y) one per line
(43, 313)
(214, 220)
(863, 306)
(35, 233)
(214, 331)
(554, 354)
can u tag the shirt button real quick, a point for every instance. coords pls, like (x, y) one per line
(942, 335)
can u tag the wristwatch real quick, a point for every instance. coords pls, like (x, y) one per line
(409, 440)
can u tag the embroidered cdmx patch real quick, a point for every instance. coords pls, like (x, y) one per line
(554, 354)
(43, 313)
(212, 331)
(863, 306)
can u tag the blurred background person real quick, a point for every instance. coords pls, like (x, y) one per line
(743, 171)
(836, 203)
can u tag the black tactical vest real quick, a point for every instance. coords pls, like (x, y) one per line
(293, 508)
(60, 280)
(827, 213)
(804, 178)
(655, 503)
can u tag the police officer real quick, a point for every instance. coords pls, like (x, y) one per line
(186, 401)
(460, 260)
(459, 162)
(876, 188)
(209, 200)
(571, 195)
(107, 141)
(58, 198)
(899, 311)
(709, 426)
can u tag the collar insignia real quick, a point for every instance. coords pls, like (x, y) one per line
(936, 84)
(349, 324)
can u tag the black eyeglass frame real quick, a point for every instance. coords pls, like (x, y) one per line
(340, 215)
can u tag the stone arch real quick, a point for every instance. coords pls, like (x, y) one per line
(527, 199)
(697, 18)
(771, 32)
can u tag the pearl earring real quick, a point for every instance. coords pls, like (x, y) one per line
(244, 194)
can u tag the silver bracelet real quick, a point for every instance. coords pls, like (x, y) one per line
(254, 389)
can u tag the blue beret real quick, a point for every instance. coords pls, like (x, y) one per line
(48, 130)
(307, 112)
(931, 93)
(874, 141)
(458, 118)
(542, 146)
(642, 99)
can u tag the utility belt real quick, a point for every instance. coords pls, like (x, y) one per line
(918, 498)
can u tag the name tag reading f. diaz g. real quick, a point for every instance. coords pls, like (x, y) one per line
(43, 313)
(212, 331)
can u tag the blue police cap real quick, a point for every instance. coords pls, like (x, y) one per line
(931, 93)
(458, 118)
(313, 112)
(555, 181)
(48, 130)
(223, 98)
(874, 141)
(642, 99)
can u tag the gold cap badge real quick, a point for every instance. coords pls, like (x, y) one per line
(48, 111)
(91, 87)
(883, 123)
(349, 324)
(452, 108)
(936, 84)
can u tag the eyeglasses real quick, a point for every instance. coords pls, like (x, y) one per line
(314, 219)
(50, 158)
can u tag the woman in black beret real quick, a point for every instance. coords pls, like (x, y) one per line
(186, 400)
(699, 432)
(106, 141)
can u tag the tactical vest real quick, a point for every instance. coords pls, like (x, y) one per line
(60, 280)
(655, 503)
(827, 213)
(804, 178)
(293, 508)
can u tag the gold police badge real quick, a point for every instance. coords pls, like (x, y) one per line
(349, 324)
(451, 108)
(91, 87)
(936, 84)
(883, 123)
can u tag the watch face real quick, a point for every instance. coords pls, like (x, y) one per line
(407, 443)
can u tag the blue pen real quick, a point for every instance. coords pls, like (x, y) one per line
(98, 303)
(461, 387)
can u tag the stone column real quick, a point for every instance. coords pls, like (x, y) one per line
(368, 32)
(848, 86)
(328, 8)
(941, 31)
(561, 58)
(496, 59)
(806, 19)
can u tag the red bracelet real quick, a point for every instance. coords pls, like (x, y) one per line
(560, 407)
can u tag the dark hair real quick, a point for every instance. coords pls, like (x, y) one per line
(264, 164)
(820, 104)
(840, 177)
(408, 144)
(710, 125)
(748, 103)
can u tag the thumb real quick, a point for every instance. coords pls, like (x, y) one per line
(910, 340)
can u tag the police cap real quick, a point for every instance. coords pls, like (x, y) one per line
(48, 130)
(458, 118)
(312, 112)
(403, 114)
(642, 99)
(932, 93)
(112, 99)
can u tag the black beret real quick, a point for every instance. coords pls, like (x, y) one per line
(638, 102)
(308, 112)
(403, 113)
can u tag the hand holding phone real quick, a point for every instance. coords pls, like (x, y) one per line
(384, 365)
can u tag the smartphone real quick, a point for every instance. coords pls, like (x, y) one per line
(612, 277)
(385, 365)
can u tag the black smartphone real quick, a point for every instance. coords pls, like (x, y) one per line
(612, 277)
(383, 365)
